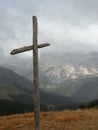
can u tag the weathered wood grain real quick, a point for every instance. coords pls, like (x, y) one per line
(28, 48)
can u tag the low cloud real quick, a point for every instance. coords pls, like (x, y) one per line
(68, 25)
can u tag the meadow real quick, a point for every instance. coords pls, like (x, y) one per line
(86, 119)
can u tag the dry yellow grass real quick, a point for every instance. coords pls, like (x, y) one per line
(65, 120)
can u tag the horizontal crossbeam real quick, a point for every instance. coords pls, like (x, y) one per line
(27, 48)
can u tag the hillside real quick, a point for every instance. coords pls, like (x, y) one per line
(17, 92)
(63, 73)
(72, 76)
(65, 120)
(88, 90)
(9, 77)
(83, 89)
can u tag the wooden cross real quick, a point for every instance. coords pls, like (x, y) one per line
(34, 47)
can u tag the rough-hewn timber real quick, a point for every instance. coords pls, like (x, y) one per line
(34, 47)
(28, 48)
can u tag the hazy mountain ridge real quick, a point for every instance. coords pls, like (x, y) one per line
(58, 67)
(62, 67)
(64, 73)
(75, 75)
(8, 77)
(16, 91)
(84, 89)
(88, 91)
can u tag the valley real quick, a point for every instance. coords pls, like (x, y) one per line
(51, 88)
(66, 81)
(17, 92)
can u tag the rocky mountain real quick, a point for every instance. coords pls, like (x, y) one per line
(17, 92)
(61, 73)
(57, 67)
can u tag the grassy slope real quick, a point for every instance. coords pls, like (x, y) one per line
(14, 100)
(65, 120)
(70, 87)
(6, 91)
(67, 88)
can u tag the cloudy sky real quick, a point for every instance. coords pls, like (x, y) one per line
(66, 24)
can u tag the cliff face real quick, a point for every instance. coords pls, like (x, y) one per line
(58, 67)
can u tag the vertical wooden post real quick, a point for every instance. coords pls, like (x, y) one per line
(35, 74)
(34, 47)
